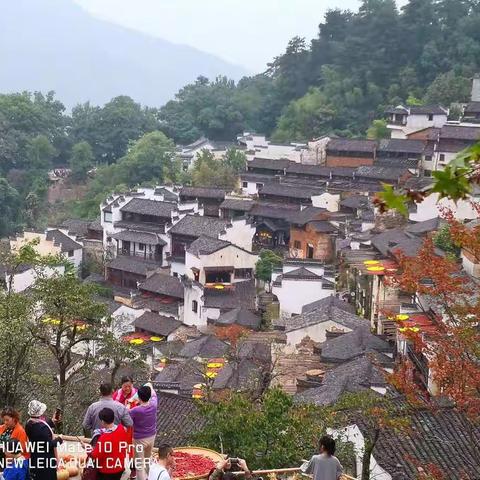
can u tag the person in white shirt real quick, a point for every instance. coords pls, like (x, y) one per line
(162, 464)
(324, 466)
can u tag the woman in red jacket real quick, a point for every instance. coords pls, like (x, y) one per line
(111, 449)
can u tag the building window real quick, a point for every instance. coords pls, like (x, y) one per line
(430, 117)
(310, 251)
(244, 184)
(107, 217)
(297, 244)
(194, 306)
(243, 273)
(259, 185)
(141, 247)
(70, 253)
(427, 173)
(442, 157)
(428, 158)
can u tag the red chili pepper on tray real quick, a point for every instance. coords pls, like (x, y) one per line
(191, 465)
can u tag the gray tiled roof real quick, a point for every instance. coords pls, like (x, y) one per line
(168, 196)
(306, 215)
(356, 375)
(178, 420)
(242, 295)
(240, 375)
(76, 226)
(154, 208)
(139, 237)
(301, 274)
(327, 302)
(351, 145)
(325, 314)
(206, 347)
(396, 239)
(443, 437)
(268, 210)
(355, 201)
(205, 245)
(240, 316)
(282, 190)
(202, 192)
(184, 374)
(472, 107)
(457, 132)
(256, 177)
(196, 226)
(157, 324)
(319, 170)
(426, 226)
(427, 110)
(237, 204)
(400, 145)
(96, 225)
(268, 163)
(163, 285)
(132, 265)
(353, 344)
(380, 173)
(63, 241)
(322, 226)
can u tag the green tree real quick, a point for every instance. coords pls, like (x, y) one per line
(16, 311)
(235, 160)
(443, 240)
(211, 172)
(81, 160)
(448, 88)
(150, 158)
(378, 130)
(110, 129)
(304, 119)
(271, 433)
(9, 199)
(72, 322)
(40, 153)
(267, 261)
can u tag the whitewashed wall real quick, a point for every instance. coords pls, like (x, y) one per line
(318, 333)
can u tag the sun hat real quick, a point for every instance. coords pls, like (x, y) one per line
(36, 408)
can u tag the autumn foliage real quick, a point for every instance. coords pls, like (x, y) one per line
(451, 300)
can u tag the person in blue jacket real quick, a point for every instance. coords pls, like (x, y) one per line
(15, 464)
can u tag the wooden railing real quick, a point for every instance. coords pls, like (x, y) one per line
(273, 471)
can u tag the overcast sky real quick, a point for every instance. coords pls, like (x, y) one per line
(246, 32)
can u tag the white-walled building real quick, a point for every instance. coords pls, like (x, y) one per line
(403, 120)
(452, 139)
(431, 207)
(238, 231)
(24, 277)
(301, 283)
(52, 242)
(219, 278)
(327, 316)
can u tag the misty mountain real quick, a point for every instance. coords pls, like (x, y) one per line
(56, 45)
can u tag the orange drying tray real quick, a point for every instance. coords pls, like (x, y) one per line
(206, 452)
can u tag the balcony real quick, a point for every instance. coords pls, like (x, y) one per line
(140, 226)
(155, 257)
(399, 123)
(420, 363)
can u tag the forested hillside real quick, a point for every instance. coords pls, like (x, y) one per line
(339, 82)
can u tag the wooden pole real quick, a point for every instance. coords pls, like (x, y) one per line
(70, 438)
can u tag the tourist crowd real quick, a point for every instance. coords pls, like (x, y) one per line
(121, 426)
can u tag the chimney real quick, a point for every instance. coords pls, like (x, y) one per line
(476, 88)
